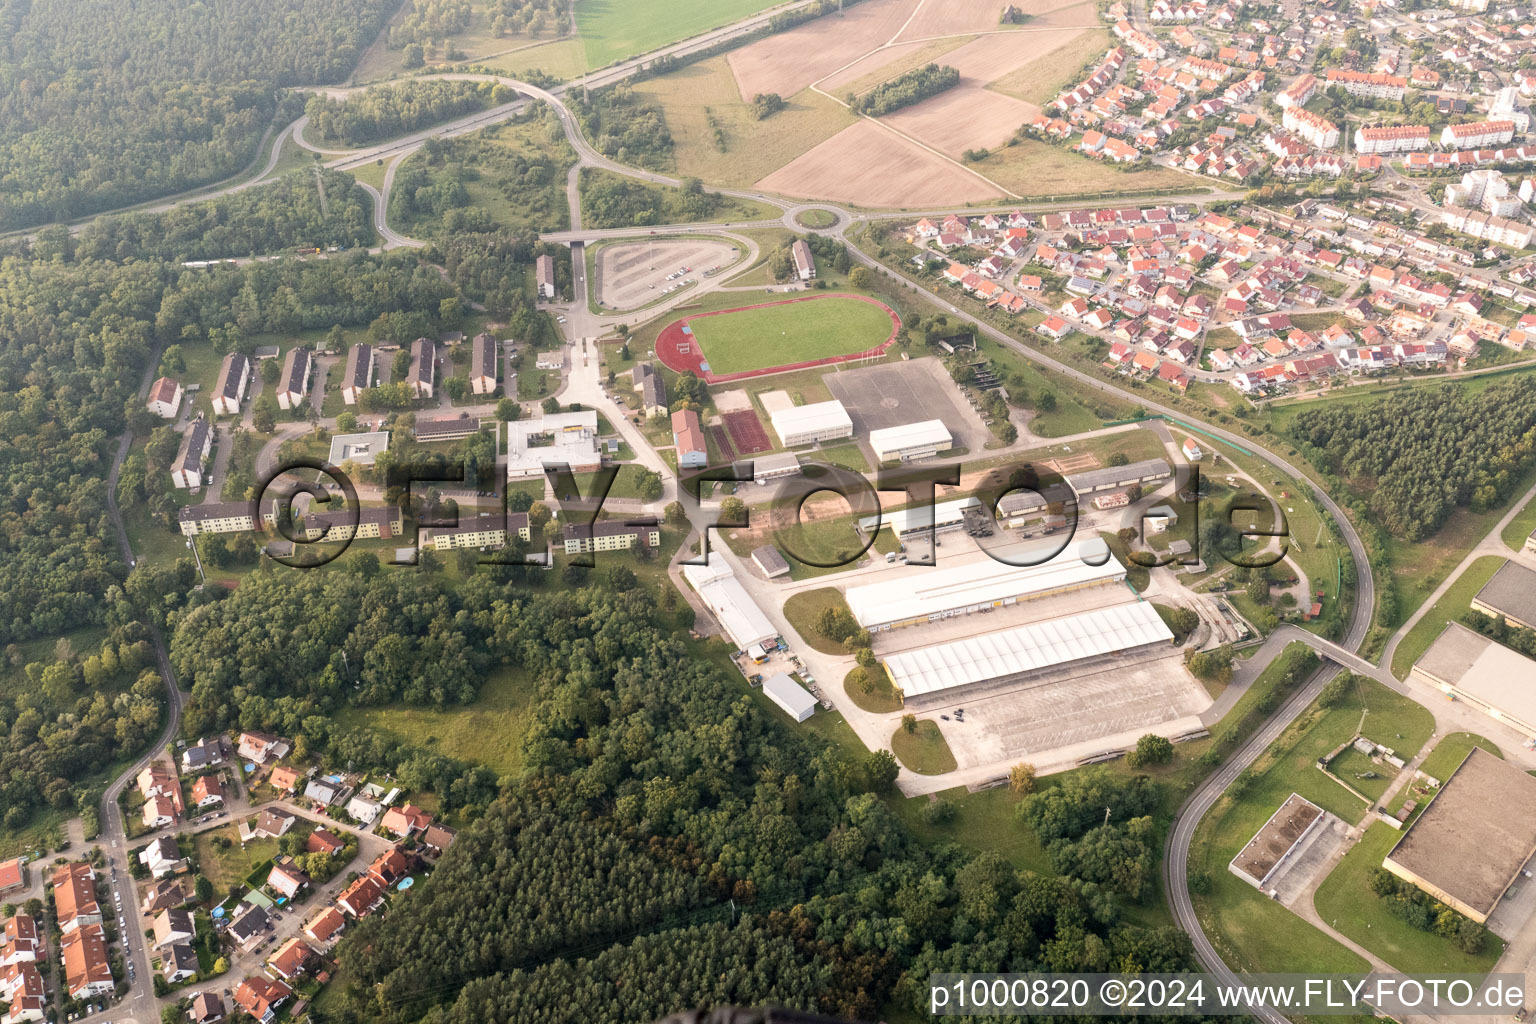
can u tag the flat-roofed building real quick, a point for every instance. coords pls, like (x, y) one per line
(421, 378)
(357, 377)
(293, 381)
(229, 389)
(1473, 840)
(919, 595)
(775, 467)
(1270, 850)
(1116, 478)
(483, 364)
(196, 443)
(1016, 654)
(911, 441)
(1483, 673)
(479, 532)
(611, 535)
(448, 428)
(940, 517)
(359, 449)
(568, 438)
(790, 697)
(768, 559)
(1511, 593)
(809, 424)
(729, 602)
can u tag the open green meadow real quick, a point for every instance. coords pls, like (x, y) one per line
(752, 339)
(615, 29)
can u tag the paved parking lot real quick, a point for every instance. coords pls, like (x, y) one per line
(1076, 706)
(631, 274)
(893, 394)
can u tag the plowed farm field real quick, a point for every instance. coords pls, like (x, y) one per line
(869, 165)
(790, 61)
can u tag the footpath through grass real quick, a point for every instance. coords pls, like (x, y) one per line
(1450, 608)
(1452, 750)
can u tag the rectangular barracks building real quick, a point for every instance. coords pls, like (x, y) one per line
(1015, 654)
(808, 424)
(478, 532)
(1118, 478)
(240, 517)
(1483, 673)
(928, 595)
(911, 441)
(1511, 593)
(1471, 843)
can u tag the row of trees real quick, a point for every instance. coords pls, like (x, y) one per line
(904, 90)
(109, 102)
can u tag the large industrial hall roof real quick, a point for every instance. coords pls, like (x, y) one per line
(920, 592)
(1039, 645)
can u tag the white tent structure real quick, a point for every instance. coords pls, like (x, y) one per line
(739, 615)
(790, 696)
(1039, 645)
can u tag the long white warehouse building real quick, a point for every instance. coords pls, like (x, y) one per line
(925, 594)
(807, 424)
(739, 615)
(1017, 652)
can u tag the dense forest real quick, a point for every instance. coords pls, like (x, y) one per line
(104, 103)
(311, 208)
(386, 111)
(62, 720)
(1422, 454)
(613, 201)
(669, 844)
(905, 90)
(624, 126)
(524, 162)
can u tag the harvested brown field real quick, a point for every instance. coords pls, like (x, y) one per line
(1036, 169)
(946, 17)
(869, 165)
(1045, 78)
(990, 57)
(790, 61)
(965, 117)
(886, 63)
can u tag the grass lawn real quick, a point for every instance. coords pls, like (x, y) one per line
(815, 219)
(489, 731)
(793, 332)
(1521, 526)
(1345, 900)
(1035, 169)
(614, 29)
(225, 867)
(703, 98)
(1254, 932)
(562, 58)
(878, 701)
(849, 455)
(1449, 608)
(801, 610)
(1076, 410)
(983, 821)
(625, 485)
(923, 750)
(1451, 751)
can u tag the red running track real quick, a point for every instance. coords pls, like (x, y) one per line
(680, 352)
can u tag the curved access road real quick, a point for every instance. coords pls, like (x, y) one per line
(1188, 816)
